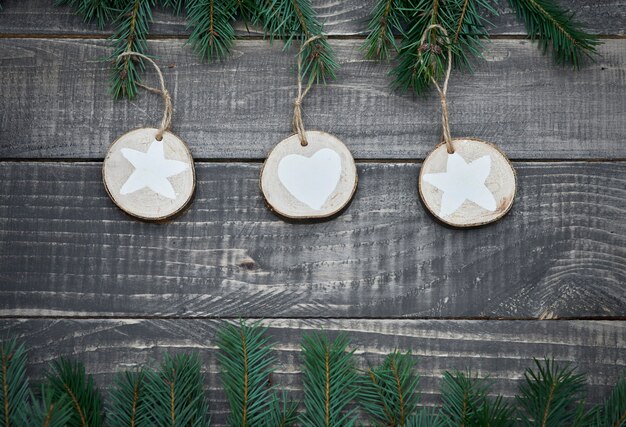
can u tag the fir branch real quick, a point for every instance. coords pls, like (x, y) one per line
(99, 11)
(67, 380)
(46, 411)
(390, 392)
(176, 5)
(212, 35)
(613, 412)
(14, 383)
(554, 27)
(174, 395)
(282, 412)
(132, 30)
(246, 360)
(465, 24)
(462, 395)
(426, 417)
(296, 20)
(551, 395)
(382, 27)
(128, 407)
(330, 382)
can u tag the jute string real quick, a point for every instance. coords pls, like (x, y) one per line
(296, 123)
(166, 122)
(445, 124)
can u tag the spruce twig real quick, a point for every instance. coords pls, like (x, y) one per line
(130, 36)
(13, 382)
(552, 26)
(45, 411)
(128, 401)
(612, 412)
(390, 391)
(384, 23)
(212, 34)
(330, 382)
(296, 20)
(174, 395)
(551, 395)
(99, 11)
(246, 364)
(67, 381)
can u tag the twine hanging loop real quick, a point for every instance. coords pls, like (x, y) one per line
(166, 121)
(445, 124)
(296, 123)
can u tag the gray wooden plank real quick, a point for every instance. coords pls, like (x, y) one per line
(348, 17)
(68, 251)
(55, 103)
(500, 349)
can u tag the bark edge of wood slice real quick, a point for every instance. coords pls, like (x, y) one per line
(316, 201)
(501, 182)
(145, 203)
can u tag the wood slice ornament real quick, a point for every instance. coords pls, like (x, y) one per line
(464, 182)
(149, 172)
(309, 175)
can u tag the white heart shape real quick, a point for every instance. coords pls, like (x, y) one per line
(311, 180)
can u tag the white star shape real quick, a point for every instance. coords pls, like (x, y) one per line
(463, 181)
(151, 170)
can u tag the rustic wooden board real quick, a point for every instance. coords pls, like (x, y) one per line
(57, 107)
(500, 349)
(347, 17)
(68, 251)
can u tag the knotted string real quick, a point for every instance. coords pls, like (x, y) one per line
(445, 124)
(296, 123)
(166, 122)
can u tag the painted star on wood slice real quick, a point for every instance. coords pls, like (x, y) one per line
(152, 170)
(463, 181)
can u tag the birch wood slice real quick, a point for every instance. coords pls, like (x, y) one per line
(149, 179)
(311, 182)
(473, 186)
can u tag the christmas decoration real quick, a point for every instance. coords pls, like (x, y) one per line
(336, 393)
(466, 21)
(149, 172)
(310, 175)
(464, 182)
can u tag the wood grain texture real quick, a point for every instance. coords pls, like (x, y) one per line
(346, 17)
(500, 349)
(55, 103)
(68, 251)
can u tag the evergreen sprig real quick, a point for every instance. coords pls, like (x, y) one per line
(552, 395)
(466, 24)
(13, 383)
(67, 381)
(246, 364)
(552, 26)
(296, 20)
(390, 391)
(613, 411)
(213, 34)
(174, 395)
(47, 411)
(131, 33)
(98, 11)
(330, 381)
(128, 400)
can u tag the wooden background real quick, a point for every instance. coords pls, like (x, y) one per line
(79, 278)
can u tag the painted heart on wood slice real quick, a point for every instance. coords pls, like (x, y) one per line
(311, 180)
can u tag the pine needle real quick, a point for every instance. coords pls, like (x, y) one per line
(246, 364)
(174, 396)
(552, 26)
(613, 412)
(130, 36)
(67, 381)
(390, 391)
(98, 11)
(212, 35)
(128, 400)
(385, 22)
(292, 20)
(13, 382)
(45, 411)
(551, 395)
(330, 382)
